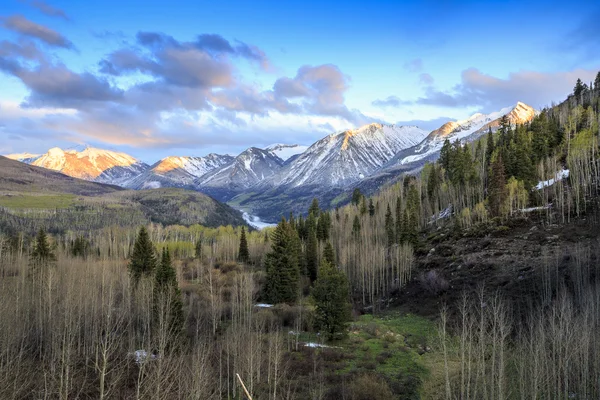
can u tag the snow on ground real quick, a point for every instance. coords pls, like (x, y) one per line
(531, 209)
(263, 305)
(255, 221)
(560, 175)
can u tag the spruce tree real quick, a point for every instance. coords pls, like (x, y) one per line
(328, 254)
(314, 208)
(363, 206)
(489, 150)
(399, 225)
(497, 187)
(445, 155)
(597, 82)
(312, 256)
(579, 88)
(143, 260)
(167, 296)
(243, 253)
(356, 226)
(281, 265)
(356, 196)
(331, 295)
(433, 182)
(42, 255)
(371, 208)
(198, 248)
(389, 227)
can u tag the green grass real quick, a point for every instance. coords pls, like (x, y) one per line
(51, 201)
(392, 344)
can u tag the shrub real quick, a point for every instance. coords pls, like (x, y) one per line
(433, 282)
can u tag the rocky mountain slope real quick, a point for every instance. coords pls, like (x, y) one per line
(90, 164)
(178, 171)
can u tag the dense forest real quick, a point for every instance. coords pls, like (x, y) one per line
(383, 298)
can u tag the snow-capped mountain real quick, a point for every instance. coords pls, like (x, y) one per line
(465, 130)
(286, 151)
(176, 171)
(343, 158)
(246, 170)
(91, 164)
(26, 158)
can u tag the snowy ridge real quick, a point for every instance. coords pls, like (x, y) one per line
(196, 166)
(91, 164)
(467, 130)
(347, 157)
(246, 170)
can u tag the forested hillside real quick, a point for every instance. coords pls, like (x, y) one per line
(477, 278)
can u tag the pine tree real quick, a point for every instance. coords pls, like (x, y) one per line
(389, 227)
(399, 224)
(356, 226)
(328, 254)
(314, 208)
(244, 253)
(356, 196)
(198, 248)
(445, 155)
(433, 182)
(323, 226)
(331, 295)
(489, 150)
(143, 260)
(497, 187)
(597, 82)
(578, 89)
(371, 208)
(42, 255)
(312, 256)
(363, 206)
(167, 296)
(281, 265)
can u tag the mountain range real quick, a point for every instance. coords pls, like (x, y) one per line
(282, 177)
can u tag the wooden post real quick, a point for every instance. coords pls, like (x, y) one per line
(244, 387)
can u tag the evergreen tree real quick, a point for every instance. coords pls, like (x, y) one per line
(312, 256)
(42, 255)
(314, 208)
(399, 223)
(328, 254)
(266, 237)
(445, 155)
(433, 182)
(143, 259)
(356, 226)
(167, 295)
(363, 206)
(597, 82)
(80, 247)
(371, 208)
(323, 226)
(489, 150)
(244, 253)
(356, 196)
(281, 264)
(198, 248)
(331, 295)
(389, 227)
(578, 89)
(497, 187)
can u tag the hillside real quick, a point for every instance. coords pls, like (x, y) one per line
(32, 196)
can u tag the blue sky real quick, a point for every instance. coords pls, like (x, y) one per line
(157, 78)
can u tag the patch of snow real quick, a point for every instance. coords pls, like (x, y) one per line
(263, 305)
(152, 185)
(531, 209)
(286, 151)
(255, 221)
(445, 213)
(141, 356)
(560, 175)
